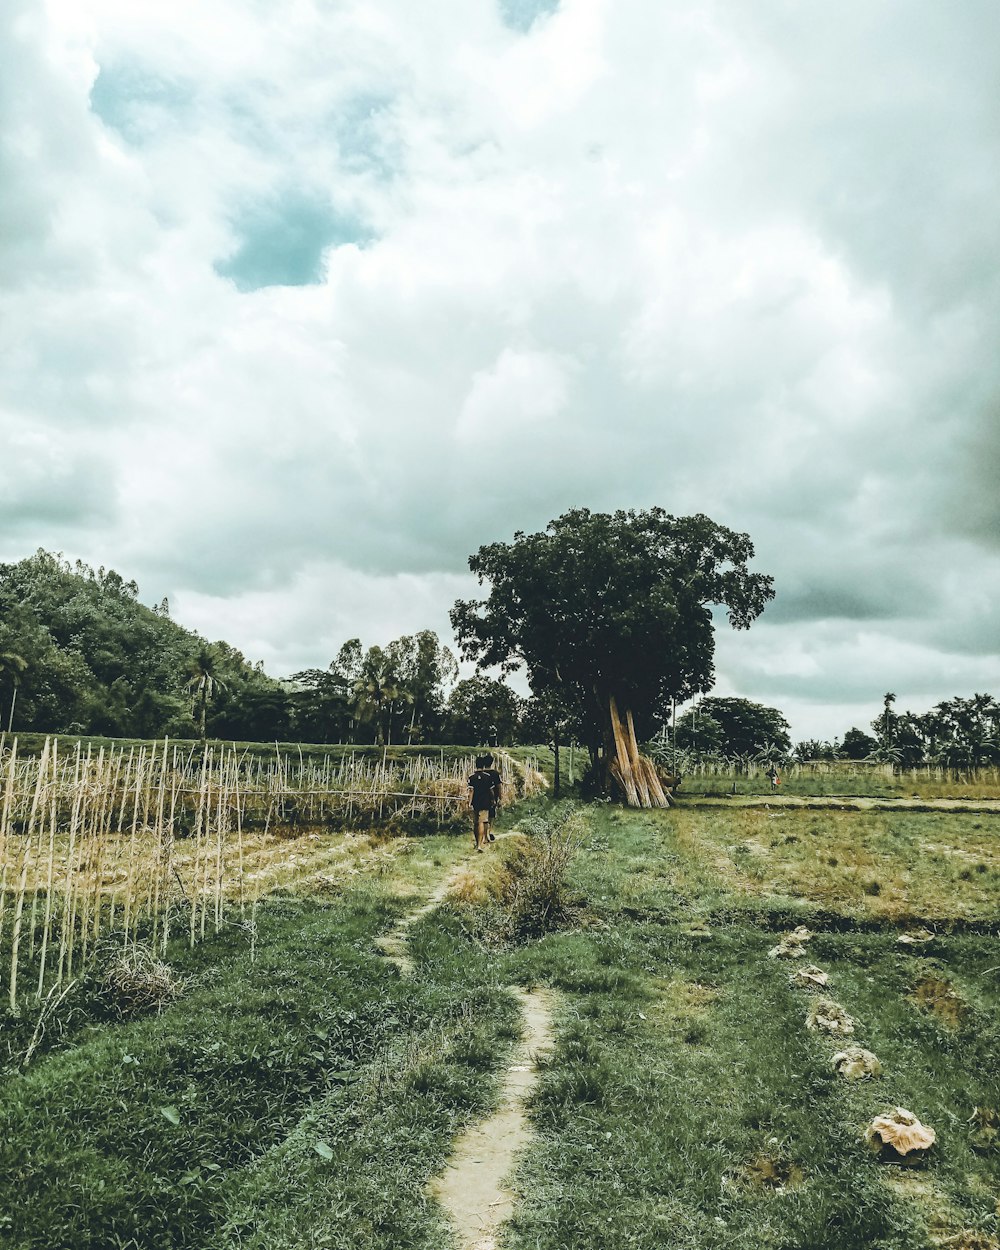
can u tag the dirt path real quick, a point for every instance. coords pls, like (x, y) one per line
(848, 803)
(395, 945)
(472, 1188)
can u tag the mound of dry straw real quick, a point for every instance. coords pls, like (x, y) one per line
(132, 981)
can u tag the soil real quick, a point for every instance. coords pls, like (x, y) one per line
(394, 945)
(833, 803)
(941, 999)
(474, 1188)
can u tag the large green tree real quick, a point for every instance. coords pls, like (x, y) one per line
(423, 668)
(483, 711)
(378, 691)
(611, 613)
(748, 729)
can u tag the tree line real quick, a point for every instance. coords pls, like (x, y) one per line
(959, 734)
(79, 653)
(611, 616)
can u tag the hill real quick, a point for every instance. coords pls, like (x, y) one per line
(97, 661)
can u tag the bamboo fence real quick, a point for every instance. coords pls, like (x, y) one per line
(148, 842)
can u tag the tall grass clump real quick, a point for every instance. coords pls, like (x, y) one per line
(529, 892)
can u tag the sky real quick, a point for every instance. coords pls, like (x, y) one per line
(300, 304)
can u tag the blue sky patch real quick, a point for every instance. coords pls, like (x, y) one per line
(134, 103)
(522, 14)
(281, 242)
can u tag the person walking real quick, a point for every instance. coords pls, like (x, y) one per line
(485, 786)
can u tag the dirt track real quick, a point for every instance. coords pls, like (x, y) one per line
(841, 803)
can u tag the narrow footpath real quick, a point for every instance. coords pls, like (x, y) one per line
(474, 1189)
(840, 803)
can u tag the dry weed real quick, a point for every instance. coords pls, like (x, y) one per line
(134, 982)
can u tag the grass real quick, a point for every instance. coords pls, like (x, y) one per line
(188, 1128)
(847, 779)
(684, 1074)
(896, 866)
(304, 1099)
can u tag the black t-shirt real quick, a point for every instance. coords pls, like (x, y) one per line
(483, 781)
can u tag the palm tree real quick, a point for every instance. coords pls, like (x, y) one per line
(888, 699)
(375, 692)
(203, 683)
(12, 666)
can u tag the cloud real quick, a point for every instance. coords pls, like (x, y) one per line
(312, 308)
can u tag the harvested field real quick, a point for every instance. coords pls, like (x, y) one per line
(298, 1088)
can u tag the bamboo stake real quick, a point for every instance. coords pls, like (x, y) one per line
(49, 880)
(8, 798)
(130, 884)
(34, 893)
(74, 870)
(23, 881)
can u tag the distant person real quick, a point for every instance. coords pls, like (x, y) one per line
(774, 778)
(484, 784)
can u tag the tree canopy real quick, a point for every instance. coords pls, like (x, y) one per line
(483, 711)
(611, 606)
(93, 659)
(747, 728)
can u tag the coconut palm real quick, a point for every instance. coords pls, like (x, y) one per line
(204, 681)
(376, 692)
(12, 666)
(888, 699)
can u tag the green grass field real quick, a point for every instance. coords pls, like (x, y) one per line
(300, 1092)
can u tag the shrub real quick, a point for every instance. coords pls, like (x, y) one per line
(132, 981)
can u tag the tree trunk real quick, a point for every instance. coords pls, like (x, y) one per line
(555, 752)
(10, 718)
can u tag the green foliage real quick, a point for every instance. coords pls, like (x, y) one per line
(698, 732)
(748, 729)
(483, 710)
(856, 745)
(267, 1081)
(611, 604)
(958, 733)
(98, 661)
(384, 695)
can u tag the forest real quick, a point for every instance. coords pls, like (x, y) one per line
(80, 654)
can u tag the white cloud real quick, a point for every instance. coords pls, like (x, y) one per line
(722, 258)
